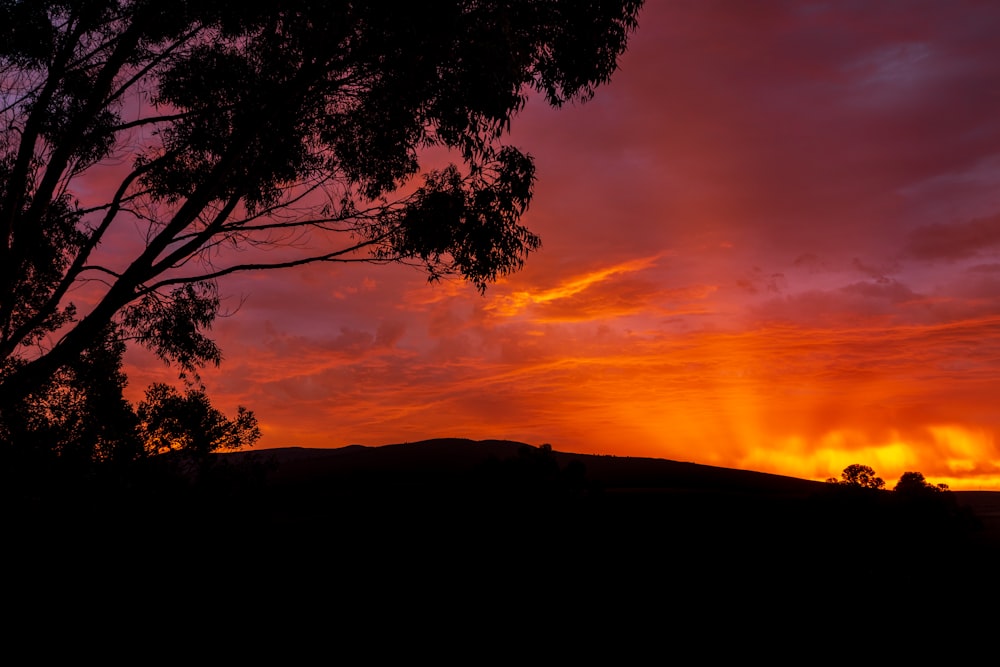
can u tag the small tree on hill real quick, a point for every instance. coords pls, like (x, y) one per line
(913, 483)
(861, 476)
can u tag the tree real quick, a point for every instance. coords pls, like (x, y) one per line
(80, 416)
(914, 484)
(171, 421)
(293, 129)
(81, 420)
(861, 476)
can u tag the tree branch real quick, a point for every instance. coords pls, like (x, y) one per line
(152, 120)
(336, 256)
(10, 343)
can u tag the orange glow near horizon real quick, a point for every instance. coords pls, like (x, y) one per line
(783, 400)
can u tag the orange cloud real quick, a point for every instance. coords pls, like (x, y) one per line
(512, 304)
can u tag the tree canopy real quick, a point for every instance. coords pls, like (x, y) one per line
(193, 131)
(862, 476)
(914, 483)
(171, 421)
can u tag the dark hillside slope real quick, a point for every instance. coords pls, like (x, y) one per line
(480, 523)
(442, 458)
(506, 498)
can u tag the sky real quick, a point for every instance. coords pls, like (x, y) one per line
(772, 242)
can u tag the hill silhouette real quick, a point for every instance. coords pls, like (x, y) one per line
(455, 456)
(477, 522)
(639, 514)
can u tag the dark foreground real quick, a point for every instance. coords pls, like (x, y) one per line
(482, 527)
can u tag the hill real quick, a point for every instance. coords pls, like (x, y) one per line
(564, 505)
(475, 522)
(451, 457)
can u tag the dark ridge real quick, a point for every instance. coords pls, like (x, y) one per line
(489, 526)
(456, 482)
(450, 456)
(435, 457)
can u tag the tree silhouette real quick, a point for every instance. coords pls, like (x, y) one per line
(81, 420)
(171, 421)
(914, 483)
(294, 127)
(79, 417)
(861, 476)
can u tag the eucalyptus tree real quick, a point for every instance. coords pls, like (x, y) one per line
(203, 128)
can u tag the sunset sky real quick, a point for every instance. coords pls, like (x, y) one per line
(772, 242)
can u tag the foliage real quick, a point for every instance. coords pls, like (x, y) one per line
(913, 483)
(862, 476)
(80, 427)
(293, 130)
(79, 416)
(172, 421)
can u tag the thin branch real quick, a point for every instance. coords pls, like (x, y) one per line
(151, 120)
(160, 57)
(198, 240)
(119, 203)
(100, 269)
(337, 256)
(52, 303)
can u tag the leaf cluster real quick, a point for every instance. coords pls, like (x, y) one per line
(81, 423)
(169, 420)
(861, 476)
(914, 484)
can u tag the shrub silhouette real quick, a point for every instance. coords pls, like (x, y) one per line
(913, 483)
(861, 476)
(171, 421)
